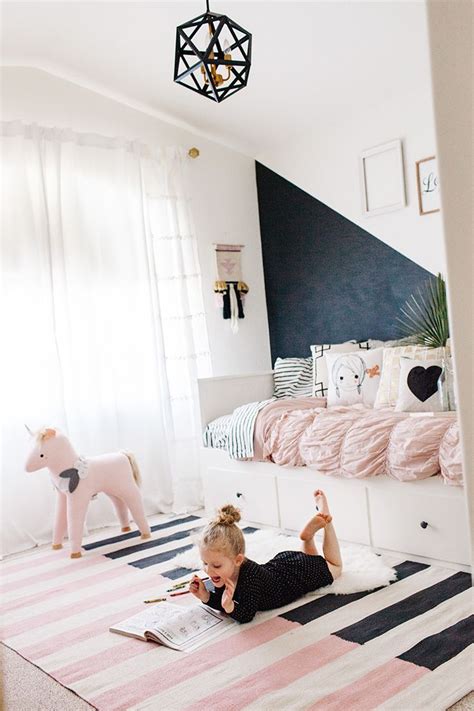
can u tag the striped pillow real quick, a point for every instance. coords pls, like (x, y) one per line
(293, 377)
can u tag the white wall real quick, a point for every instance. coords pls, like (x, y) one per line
(450, 27)
(222, 189)
(325, 163)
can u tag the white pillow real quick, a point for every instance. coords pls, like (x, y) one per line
(388, 391)
(292, 377)
(406, 341)
(418, 386)
(354, 377)
(320, 371)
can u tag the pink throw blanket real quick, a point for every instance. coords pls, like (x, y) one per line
(358, 442)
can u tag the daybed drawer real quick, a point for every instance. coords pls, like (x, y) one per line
(256, 496)
(399, 523)
(347, 503)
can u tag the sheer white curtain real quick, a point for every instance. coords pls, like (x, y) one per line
(103, 321)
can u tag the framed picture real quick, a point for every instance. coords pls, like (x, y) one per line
(382, 178)
(428, 185)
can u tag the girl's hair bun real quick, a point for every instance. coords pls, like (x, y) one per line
(227, 515)
(221, 534)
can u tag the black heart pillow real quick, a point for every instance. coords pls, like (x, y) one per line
(423, 382)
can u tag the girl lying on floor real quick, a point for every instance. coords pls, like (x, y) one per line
(243, 587)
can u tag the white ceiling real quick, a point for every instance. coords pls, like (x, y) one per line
(312, 61)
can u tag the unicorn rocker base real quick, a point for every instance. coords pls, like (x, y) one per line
(77, 480)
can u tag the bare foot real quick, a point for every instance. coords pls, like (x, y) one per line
(319, 521)
(321, 501)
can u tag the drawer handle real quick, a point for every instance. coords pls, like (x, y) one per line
(424, 524)
(239, 494)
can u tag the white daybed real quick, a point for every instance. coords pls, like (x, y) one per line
(419, 519)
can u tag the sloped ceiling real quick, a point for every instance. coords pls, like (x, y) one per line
(311, 60)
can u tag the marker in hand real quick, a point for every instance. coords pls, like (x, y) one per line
(198, 589)
(177, 589)
(183, 584)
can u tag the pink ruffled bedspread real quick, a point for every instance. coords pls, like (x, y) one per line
(356, 442)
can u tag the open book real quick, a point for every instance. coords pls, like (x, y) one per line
(178, 627)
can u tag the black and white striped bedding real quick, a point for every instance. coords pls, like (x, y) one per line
(292, 378)
(215, 435)
(235, 432)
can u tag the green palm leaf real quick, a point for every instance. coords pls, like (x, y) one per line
(425, 315)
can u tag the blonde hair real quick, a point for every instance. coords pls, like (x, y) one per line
(222, 534)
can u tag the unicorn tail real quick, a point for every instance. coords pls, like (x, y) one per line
(135, 469)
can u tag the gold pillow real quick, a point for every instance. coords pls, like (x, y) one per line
(387, 393)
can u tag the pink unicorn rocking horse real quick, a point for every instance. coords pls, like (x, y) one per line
(77, 480)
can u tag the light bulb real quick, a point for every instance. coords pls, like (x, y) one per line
(228, 57)
(207, 39)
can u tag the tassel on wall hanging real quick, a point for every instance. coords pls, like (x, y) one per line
(229, 288)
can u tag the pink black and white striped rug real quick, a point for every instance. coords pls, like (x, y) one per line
(406, 646)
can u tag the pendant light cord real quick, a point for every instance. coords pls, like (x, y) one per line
(207, 5)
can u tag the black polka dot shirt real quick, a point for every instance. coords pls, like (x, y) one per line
(285, 578)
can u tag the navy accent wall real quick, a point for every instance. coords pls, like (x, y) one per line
(326, 279)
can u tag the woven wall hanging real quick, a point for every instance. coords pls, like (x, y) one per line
(229, 288)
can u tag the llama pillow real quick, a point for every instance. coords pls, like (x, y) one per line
(354, 377)
(320, 370)
(418, 386)
(388, 391)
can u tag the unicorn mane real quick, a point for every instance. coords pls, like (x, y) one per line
(42, 433)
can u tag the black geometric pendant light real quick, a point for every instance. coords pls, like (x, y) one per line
(213, 55)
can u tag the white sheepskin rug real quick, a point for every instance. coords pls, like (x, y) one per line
(362, 569)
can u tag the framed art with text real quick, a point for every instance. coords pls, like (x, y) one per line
(427, 180)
